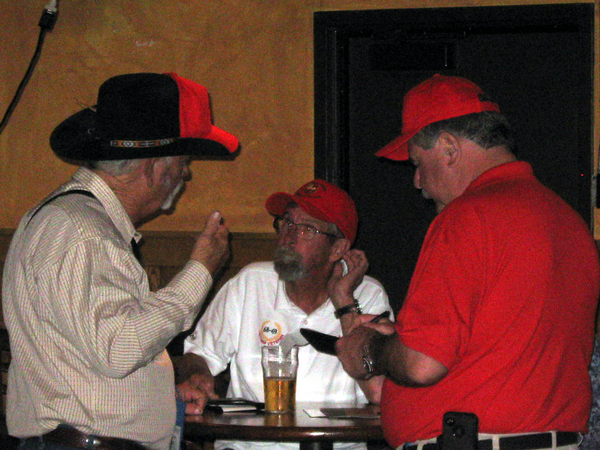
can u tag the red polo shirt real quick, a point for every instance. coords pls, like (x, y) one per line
(504, 295)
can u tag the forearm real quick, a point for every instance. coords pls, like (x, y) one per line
(402, 364)
(374, 349)
(107, 311)
(137, 329)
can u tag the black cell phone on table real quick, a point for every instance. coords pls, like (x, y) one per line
(459, 431)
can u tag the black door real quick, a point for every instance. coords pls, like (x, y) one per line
(535, 61)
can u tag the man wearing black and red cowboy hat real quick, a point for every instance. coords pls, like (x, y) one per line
(492, 345)
(89, 367)
(267, 302)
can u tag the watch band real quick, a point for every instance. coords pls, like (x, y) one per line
(351, 308)
(369, 367)
(367, 360)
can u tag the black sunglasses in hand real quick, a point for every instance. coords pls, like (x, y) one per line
(325, 343)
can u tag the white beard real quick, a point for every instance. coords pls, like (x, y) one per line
(288, 264)
(169, 201)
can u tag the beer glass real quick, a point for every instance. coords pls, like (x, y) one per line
(279, 375)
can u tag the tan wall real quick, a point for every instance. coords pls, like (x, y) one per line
(255, 57)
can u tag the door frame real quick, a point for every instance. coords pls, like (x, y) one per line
(332, 34)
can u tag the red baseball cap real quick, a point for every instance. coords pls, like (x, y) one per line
(438, 98)
(323, 201)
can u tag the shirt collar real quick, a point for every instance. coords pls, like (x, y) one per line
(283, 302)
(515, 169)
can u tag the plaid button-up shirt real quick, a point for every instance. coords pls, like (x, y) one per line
(87, 336)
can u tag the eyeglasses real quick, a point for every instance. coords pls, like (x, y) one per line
(283, 225)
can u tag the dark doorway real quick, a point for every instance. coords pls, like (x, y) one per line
(535, 61)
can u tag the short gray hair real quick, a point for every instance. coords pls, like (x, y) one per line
(334, 230)
(487, 129)
(120, 166)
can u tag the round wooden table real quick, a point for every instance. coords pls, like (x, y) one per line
(312, 433)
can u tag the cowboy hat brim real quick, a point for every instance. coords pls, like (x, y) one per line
(76, 138)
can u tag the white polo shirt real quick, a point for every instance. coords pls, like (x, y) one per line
(253, 310)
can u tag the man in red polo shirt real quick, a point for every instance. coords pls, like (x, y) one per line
(499, 318)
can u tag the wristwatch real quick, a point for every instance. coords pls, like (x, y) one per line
(351, 308)
(367, 361)
(369, 366)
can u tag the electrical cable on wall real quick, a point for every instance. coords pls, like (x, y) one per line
(46, 23)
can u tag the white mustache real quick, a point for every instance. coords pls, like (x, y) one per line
(169, 201)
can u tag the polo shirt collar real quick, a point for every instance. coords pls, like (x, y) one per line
(514, 169)
(283, 302)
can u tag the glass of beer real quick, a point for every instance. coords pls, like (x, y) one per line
(279, 375)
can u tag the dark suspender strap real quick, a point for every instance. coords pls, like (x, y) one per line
(62, 194)
(134, 244)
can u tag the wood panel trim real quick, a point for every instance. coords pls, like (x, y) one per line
(164, 253)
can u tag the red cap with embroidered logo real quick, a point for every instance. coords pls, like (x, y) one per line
(322, 200)
(438, 98)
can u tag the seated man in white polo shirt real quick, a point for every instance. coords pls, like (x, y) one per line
(267, 300)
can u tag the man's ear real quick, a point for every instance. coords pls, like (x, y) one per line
(148, 167)
(450, 146)
(339, 249)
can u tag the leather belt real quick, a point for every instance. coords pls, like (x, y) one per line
(70, 437)
(522, 442)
